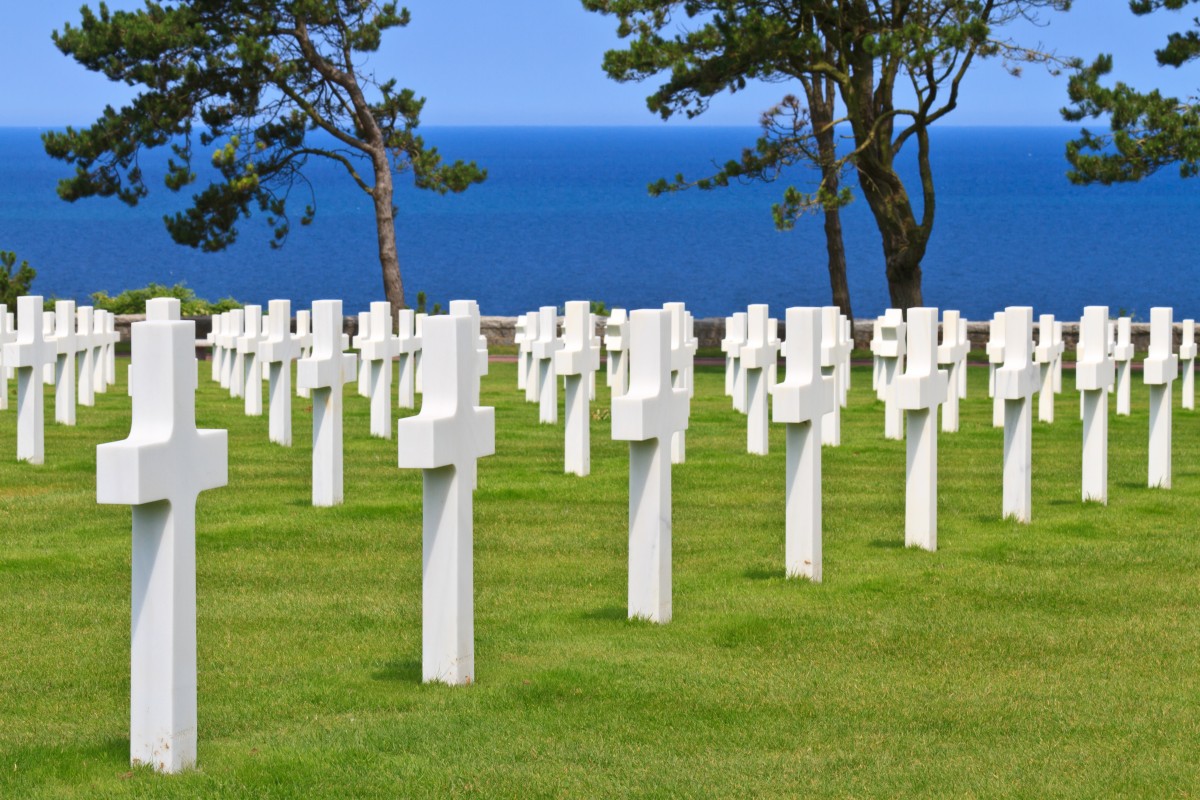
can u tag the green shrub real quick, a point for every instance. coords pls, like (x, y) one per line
(13, 286)
(133, 301)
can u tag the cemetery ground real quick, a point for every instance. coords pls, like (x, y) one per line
(1054, 659)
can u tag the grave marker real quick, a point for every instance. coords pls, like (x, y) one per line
(848, 342)
(48, 335)
(377, 348)
(87, 343)
(953, 353)
(683, 352)
(1016, 382)
(1159, 371)
(8, 334)
(919, 392)
(234, 361)
(247, 345)
(160, 469)
(1123, 358)
(30, 353)
(68, 348)
(304, 337)
(579, 357)
(212, 338)
(616, 338)
(544, 348)
(876, 361)
(1187, 363)
(278, 351)
(419, 373)
(831, 356)
(739, 376)
(962, 374)
(324, 373)
(1047, 354)
(890, 349)
(533, 381)
(521, 339)
(409, 345)
(760, 357)
(995, 354)
(99, 369)
(1057, 342)
(364, 333)
(1093, 374)
(730, 345)
(800, 402)
(596, 342)
(470, 309)
(444, 441)
(647, 416)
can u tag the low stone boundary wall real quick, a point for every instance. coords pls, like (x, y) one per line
(709, 332)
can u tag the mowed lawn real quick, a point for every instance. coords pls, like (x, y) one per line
(1056, 659)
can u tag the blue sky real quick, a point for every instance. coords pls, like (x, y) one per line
(537, 62)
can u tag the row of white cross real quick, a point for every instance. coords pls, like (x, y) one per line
(72, 349)
(165, 462)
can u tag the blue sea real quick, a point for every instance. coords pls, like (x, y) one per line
(565, 215)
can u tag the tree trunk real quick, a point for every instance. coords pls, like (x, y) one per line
(821, 97)
(385, 230)
(904, 239)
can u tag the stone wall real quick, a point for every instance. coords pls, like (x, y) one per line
(709, 332)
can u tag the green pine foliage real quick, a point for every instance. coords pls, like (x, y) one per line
(849, 58)
(133, 301)
(258, 88)
(13, 285)
(1147, 131)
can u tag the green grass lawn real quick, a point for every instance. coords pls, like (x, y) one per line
(1055, 659)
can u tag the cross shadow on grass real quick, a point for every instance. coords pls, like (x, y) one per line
(408, 671)
(764, 574)
(890, 543)
(605, 614)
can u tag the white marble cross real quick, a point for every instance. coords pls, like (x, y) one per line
(890, 349)
(214, 342)
(305, 339)
(470, 309)
(1159, 371)
(364, 333)
(799, 402)
(647, 416)
(962, 374)
(953, 353)
(597, 342)
(247, 345)
(692, 344)
(738, 338)
(578, 359)
(1093, 374)
(616, 338)
(99, 367)
(1187, 364)
(277, 352)
(831, 357)
(1047, 355)
(8, 334)
(735, 335)
(48, 370)
(377, 347)
(759, 356)
(1016, 383)
(544, 348)
(445, 441)
(160, 469)
(409, 345)
(30, 354)
(419, 371)
(68, 346)
(1123, 358)
(533, 381)
(995, 354)
(324, 373)
(919, 392)
(683, 352)
(522, 341)
(847, 343)
(87, 344)
(876, 361)
(1057, 342)
(233, 374)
